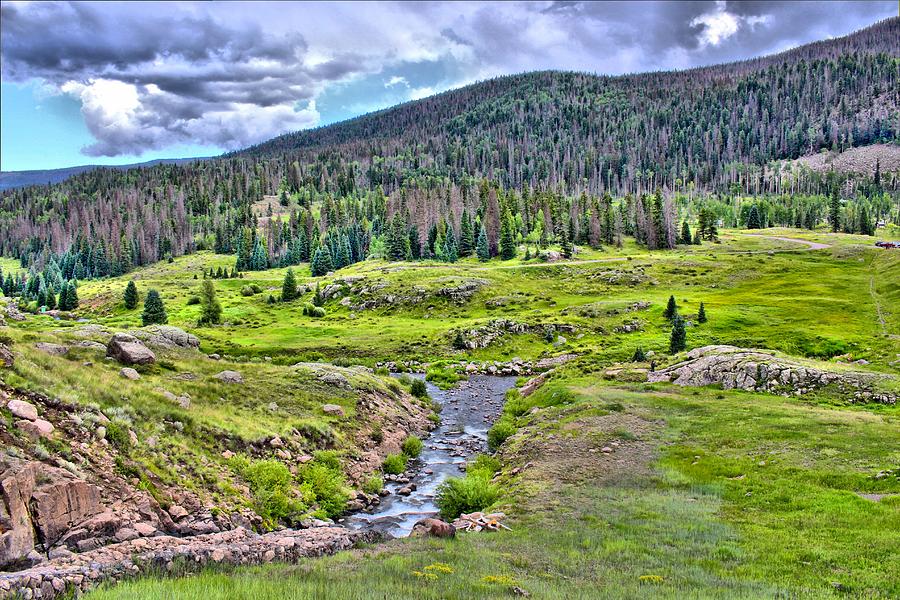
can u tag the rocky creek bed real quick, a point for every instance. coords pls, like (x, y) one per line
(467, 412)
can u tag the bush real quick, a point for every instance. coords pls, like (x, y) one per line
(412, 446)
(193, 300)
(394, 464)
(250, 290)
(377, 434)
(442, 377)
(328, 487)
(502, 429)
(418, 389)
(484, 464)
(373, 484)
(270, 483)
(310, 310)
(472, 493)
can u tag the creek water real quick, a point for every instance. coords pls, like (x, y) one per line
(467, 412)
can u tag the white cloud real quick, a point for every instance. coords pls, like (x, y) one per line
(396, 80)
(717, 26)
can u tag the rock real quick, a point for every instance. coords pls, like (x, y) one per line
(166, 336)
(128, 350)
(36, 428)
(59, 552)
(177, 512)
(22, 409)
(57, 507)
(17, 532)
(434, 528)
(606, 450)
(229, 377)
(405, 491)
(125, 534)
(52, 349)
(145, 529)
(333, 409)
(213, 356)
(129, 373)
(6, 357)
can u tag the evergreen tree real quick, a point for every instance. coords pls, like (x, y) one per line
(466, 236)
(154, 310)
(686, 237)
(321, 263)
(63, 303)
(397, 243)
(507, 237)
(72, 295)
(701, 314)
(565, 243)
(678, 339)
(866, 226)
(834, 210)
(639, 355)
(482, 249)
(671, 308)
(289, 286)
(318, 297)
(753, 220)
(210, 309)
(51, 299)
(131, 296)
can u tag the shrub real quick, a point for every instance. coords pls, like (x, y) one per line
(314, 311)
(270, 483)
(377, 434)
(250, 290)
(464, 495)
(442, 377)
(502, 429)
(373, 484)
(484, 464)
(418, 389)
(118, 436)
(394, 464)
(328, 486)
(328, 458)
(412, 446)
(193, 300)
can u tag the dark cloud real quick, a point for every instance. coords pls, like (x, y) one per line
(149, 75)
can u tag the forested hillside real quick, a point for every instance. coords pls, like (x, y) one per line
(569, 158)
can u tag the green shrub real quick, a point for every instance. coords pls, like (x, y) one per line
(314, 311)
(373, 484)
(377, 434)
(484, 464)
(502, 429)
(328, 487)
(118, 436)
(328, 458)
(464, 495)
(193, 300)
(270, 484)
(418, 389)
(444, 378)
(412, 446)
(394, 464)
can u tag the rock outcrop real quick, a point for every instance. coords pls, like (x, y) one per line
(166, 337)
(81, 572)
(765, 371)
(6, 357)
(229, 377)
(129, 350)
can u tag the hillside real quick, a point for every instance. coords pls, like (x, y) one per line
(17, 179)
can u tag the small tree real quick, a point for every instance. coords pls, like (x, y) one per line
(459, 342)
(701, 314)
(72, 295)
(508, 237)
(754, 221)
(154, 310)
(639, 355)
(210, 309)
(289, 286)
(686, 237)
(319, 298)
(671, 308)
(482, 249)
(678, 339)
(131, 296)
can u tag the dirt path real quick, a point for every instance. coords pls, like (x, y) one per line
(810, 245)
(561, 263)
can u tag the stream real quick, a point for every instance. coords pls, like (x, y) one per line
(467, 412)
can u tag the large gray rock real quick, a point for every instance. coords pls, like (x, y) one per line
(128, 350)
(229, 377)
(22, 409)
(53, 349)
(166, 336)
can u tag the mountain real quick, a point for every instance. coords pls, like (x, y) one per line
(544, 143)
(17, 179)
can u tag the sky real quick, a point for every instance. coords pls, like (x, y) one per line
(116, 83)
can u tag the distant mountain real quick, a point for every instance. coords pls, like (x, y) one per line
(17, 179)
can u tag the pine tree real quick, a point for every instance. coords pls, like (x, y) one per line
(131, 296)
(289, 286)
(321, 263)
(63, 303)
(835, 210)
(701, 314)
(678, 339)
(482, 249)
(507, 237)
(51, 299)
(210, 309)
(639, 355)
(318, 297)
(154, 310)
(671, 309)
(466, 235)
(753, 219)
(686, 237)
(72, 295)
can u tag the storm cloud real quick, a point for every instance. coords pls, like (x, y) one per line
(149, 76)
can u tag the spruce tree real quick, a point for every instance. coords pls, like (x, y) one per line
(686, 237)
(753, 218)
(678, 339)
(131, 296)
(63, 303)
(507, 237)
(701, 314)
(484, 253)
(210, 309)
(72, 295)
(671, 308)
(321, 263)
(466, 236)
(835, 210)
(51, 299)
(639, 355)
(318, 298)
(289, 286)
(154, 311)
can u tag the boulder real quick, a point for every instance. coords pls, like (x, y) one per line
(52, 349)
(167, 336)
(128, 350)
(129, 373)
(6, 357)
(177, 512)
(16, 530)
(229, 377)
(37, 428)
(333, 409)
(22, 409)
(434, 528)
(56, 508)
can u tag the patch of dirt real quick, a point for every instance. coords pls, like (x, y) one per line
(810, 244)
